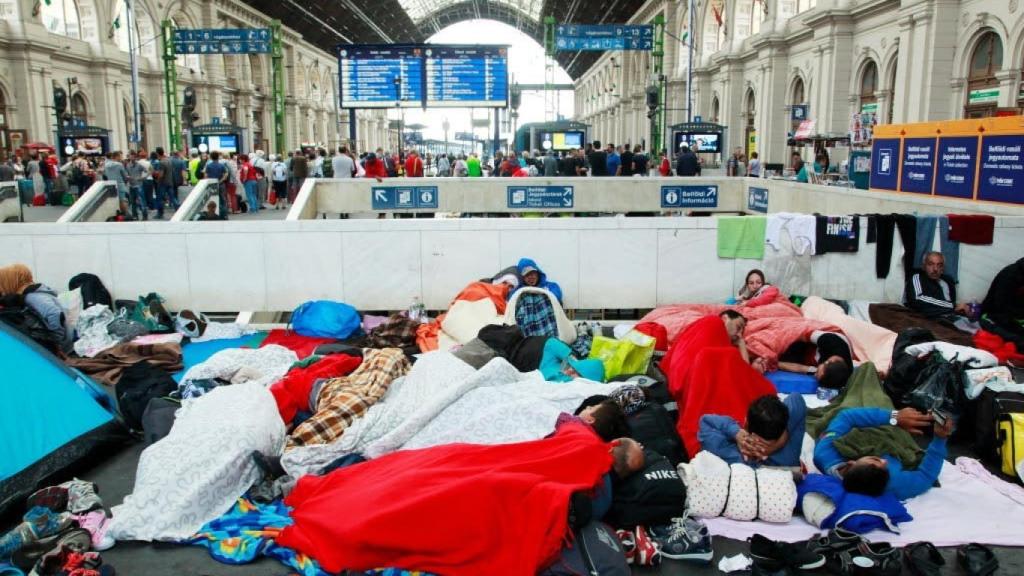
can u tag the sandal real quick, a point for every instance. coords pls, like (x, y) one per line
(879, 559)
(923, 559)
(977, 560)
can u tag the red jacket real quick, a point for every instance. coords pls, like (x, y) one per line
(414, 166)
(665, 169)
(375, 169)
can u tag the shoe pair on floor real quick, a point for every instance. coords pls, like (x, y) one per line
(684, 539)
(924, 559)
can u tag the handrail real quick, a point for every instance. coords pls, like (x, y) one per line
(204, 191)
(96, 197)
(10, 202)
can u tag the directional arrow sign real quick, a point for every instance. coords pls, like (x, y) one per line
(541, 197)
(404, 197)
(689, 196)
(757, 199)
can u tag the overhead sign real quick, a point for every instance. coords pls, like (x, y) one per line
(466, 136)
(221, 41)
(467, 76)
(604, 37)
(689, 196)
(1002, 169)
(403, 197)
(957, 160)
(799, 112)
(983, 96)
(757, 200)
(918, 165)
(885, 157)
(540, 197)
(369, 73)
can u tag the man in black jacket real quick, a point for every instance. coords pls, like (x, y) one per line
(931, 292)
(598, 160)
(687, 164)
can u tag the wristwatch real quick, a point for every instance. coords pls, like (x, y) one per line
(892, 417)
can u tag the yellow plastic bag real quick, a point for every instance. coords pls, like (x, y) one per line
(630, 355)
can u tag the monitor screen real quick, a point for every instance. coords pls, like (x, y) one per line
(216, 142)
(89, 146)
(706, 142)
(567, 140)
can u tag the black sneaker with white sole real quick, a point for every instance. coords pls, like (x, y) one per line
(772, 553)
(683, 539)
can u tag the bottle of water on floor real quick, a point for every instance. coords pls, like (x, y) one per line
(827, 394)
(417, 311)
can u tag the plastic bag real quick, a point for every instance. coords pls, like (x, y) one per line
(150, 312)
(938, 388)
(326, 319)
(630, 355)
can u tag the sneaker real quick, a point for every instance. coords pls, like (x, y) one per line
(628, 541)
(772, 553)
(684, 539)
(647, 552)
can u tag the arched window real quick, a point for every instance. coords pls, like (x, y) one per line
(300, 81)
(714, 29)
(750, 111)
(231, 70)
(743, 11)
(129, 126)
(314, 84)
(144, 35)
(190, 61)
(61, 17)
(868, 87)
(798, 91)
(79, 109)
(256, 71)
(3, 109)
(714, 109)
(758, 14)
(892, 95)
(982, 84)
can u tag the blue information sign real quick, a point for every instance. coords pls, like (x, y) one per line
(1002, 169)
(757, 200)
(918, 165)
(467, 76)
(221, 41)
(604, 37)
(885, 158)
(799, 112)
(957, 159)
(403, 197)
(689, 196)
(540, 197)
(368, 73)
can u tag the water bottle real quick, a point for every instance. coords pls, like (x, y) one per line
(827, 394)
(416, 310)
(974, 310)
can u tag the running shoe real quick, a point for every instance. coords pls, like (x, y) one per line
(684, 539)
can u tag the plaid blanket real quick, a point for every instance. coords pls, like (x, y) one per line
(342, 400)
(398, 331)
(535, 316)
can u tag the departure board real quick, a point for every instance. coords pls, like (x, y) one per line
(368, 73)
(466, 76)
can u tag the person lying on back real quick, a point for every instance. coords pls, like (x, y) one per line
(832, 356)
(876, 475)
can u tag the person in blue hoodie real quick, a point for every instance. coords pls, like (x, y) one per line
(532, 275)
(772, 436)
(884, 474)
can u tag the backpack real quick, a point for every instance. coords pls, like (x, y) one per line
(652, 496)
(653, 427)
(23, 318)
(139, 383)
(594, 550)
(93, 290)
(325, 319)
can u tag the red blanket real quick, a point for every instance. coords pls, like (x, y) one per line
(303, 346)
(453, 509)
(677, 317)
(707, 375)
(292, 392)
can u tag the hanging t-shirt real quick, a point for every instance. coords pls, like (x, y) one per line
(837, 234)
(801, 229)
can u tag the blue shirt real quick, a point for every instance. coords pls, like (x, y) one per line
(215, 170)
(717, 435)
(903, 484)
(613, 163)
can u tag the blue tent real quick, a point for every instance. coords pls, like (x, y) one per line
(50, 416)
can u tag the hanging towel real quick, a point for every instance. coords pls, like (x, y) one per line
(925, 237)
(801, 230)
(950, 249)
(971, 228)
(741, 236)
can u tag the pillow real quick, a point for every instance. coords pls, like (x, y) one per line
(776, 495)
(707, 484)
(742, 502)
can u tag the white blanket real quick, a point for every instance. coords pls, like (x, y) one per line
(270, 363)
(963, 510)
(198, 471)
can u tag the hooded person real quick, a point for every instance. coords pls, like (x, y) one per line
(16, 280)
(509, 276)
(532, 275)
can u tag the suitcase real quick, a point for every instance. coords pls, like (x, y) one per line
(984, 416)
(1010, 439)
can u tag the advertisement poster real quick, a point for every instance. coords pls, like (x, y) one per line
(1002, 169)
(957, 161)
(885, 158)
(918, 165)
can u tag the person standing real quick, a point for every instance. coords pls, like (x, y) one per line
(473, 169)
(613, 162)
(664, 166)
(279, 181)
(6, 168)
(136, 176)
(317, 168)
(444, 166)
(687, 164)
(550, 164)
(300, 171)
(247, 174)
(234, 184)
(640, 161)
(626, 161)
(164, 176)
(217, 170)
(413, 165)
(754, 168)
(598, 160)
(114, 171)
(343, 164)
(179, 173)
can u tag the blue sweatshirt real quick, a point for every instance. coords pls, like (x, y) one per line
(903, 484)
(717, 435)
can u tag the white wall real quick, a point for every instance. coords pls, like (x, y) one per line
(383, 264)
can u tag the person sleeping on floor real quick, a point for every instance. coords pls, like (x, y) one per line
(883, 473)
(825, 355)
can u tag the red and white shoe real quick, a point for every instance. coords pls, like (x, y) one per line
(628, 541)
(647, 552)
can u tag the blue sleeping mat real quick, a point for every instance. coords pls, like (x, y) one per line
(791, 383)
(195, 353)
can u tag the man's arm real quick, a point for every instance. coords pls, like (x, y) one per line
(794, 367)
(826, 457)
(911, 483)
(717, 435)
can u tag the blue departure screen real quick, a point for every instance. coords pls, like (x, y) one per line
(368, 76)
(466, 76)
